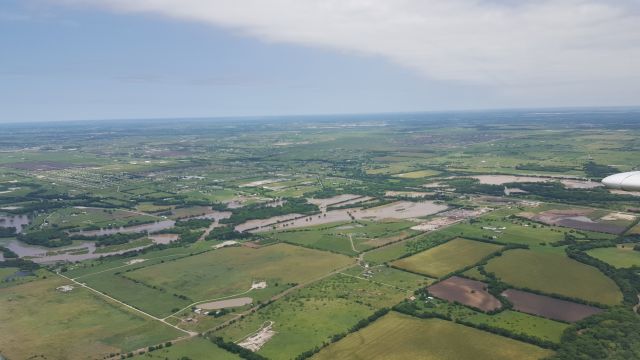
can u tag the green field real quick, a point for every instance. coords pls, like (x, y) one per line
(554, 274)
(193, 349)
(448, 257)
(74, 325)
(336, 237)
(306, 318)
(386, 254)
(397, 336)
(390, 276)
(622, 256)
(231, 271)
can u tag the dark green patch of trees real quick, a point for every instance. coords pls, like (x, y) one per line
(611, 335)
(259, 211)
(599, 171)
(7, 232)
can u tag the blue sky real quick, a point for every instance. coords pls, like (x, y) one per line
(106, 59)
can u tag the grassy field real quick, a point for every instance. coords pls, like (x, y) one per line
(622, 256)
(386, 254)
(193, 349)
(448, 257)
(232, 270)
(554, 274)
(335, 237)
(391, 276)
(397, 336)
(306, 318)
(36, 319)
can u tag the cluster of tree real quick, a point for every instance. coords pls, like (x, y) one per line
(557, 192)
(194, 224)
(21, 264)
(259, 211)
(337, 337)
(593, 170)
(46, 237)
(541, 167)
(228, 233)
(236, 349)
(610, 335)
(8, 253)
(106, 240)
(7, 231)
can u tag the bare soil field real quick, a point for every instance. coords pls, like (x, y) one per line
(465, 291)
(549, 307)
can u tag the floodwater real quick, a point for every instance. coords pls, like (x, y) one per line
(504, 179)
(77, 252)
(151, 227)
(395, 210)
(15, 221)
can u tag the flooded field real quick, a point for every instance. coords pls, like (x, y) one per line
(223, 304)
(396, 210)
(578, 219)
(580, 184)
(150, 228)
(468, 292)
(15, 221)
(338, 199)
(505, 179)
(409, 194)
(401, 210)
(549, 307)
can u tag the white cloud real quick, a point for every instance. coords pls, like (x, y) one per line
(503, 43)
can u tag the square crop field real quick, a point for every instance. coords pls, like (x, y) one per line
(230, 271)
(554, 274)
(622, 256)
(398, 336)
(448, 257)
(36, 319)
(308, 317)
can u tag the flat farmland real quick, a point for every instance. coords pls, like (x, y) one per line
(448, 257)
(554, 274)
(308, 317)
(74, 325)
(232, 270)
(622, 256)
(468, 292)
(363, 235)
(549, 307)
(398, 336)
